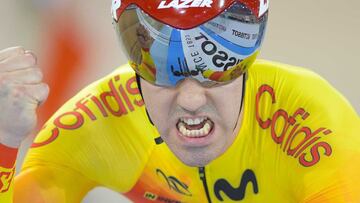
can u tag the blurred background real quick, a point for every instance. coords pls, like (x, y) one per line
(76, 44)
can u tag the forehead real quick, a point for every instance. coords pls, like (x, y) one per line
(186, 14)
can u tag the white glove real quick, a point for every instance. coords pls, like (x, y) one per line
(21, 92)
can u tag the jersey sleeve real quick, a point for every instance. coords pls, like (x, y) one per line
(51, 183)
(95, 137)
(7, 171)
(315, 131)
(49, 173)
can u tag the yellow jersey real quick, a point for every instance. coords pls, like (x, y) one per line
(299, 142)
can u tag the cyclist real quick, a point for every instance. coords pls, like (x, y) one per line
(218, 125)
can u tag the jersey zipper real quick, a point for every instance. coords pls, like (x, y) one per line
(203, 179)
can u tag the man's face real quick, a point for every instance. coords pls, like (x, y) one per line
(197, 123)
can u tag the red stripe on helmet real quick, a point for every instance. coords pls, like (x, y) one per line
(185, 14)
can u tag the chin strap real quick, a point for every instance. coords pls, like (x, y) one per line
(158, 140)
(242, 97)
(243, 91)
(139, 87)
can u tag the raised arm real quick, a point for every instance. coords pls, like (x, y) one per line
(21, 91)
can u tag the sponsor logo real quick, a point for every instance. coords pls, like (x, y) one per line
(286, 127)
(236, 194)
(213, 57)
(174, 183)
(244, 35)
(6, 176)
(185, 4)
(183, 68)
(217, 25)
(154, 197)
(167, 200)
(116, 102)
(220, 58)
(150, 196)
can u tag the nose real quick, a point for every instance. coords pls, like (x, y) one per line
(191, 95)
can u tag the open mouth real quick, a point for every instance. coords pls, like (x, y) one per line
(196, 127)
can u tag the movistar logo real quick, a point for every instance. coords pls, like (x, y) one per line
(222, 186)
(185, 4)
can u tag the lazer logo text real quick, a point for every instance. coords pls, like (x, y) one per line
(185, 4)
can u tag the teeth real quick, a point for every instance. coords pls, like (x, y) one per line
(182, 127)
(197, 121)
(195, 133)
(190, 121)
(187, 132)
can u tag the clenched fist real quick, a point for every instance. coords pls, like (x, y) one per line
(21, 92)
